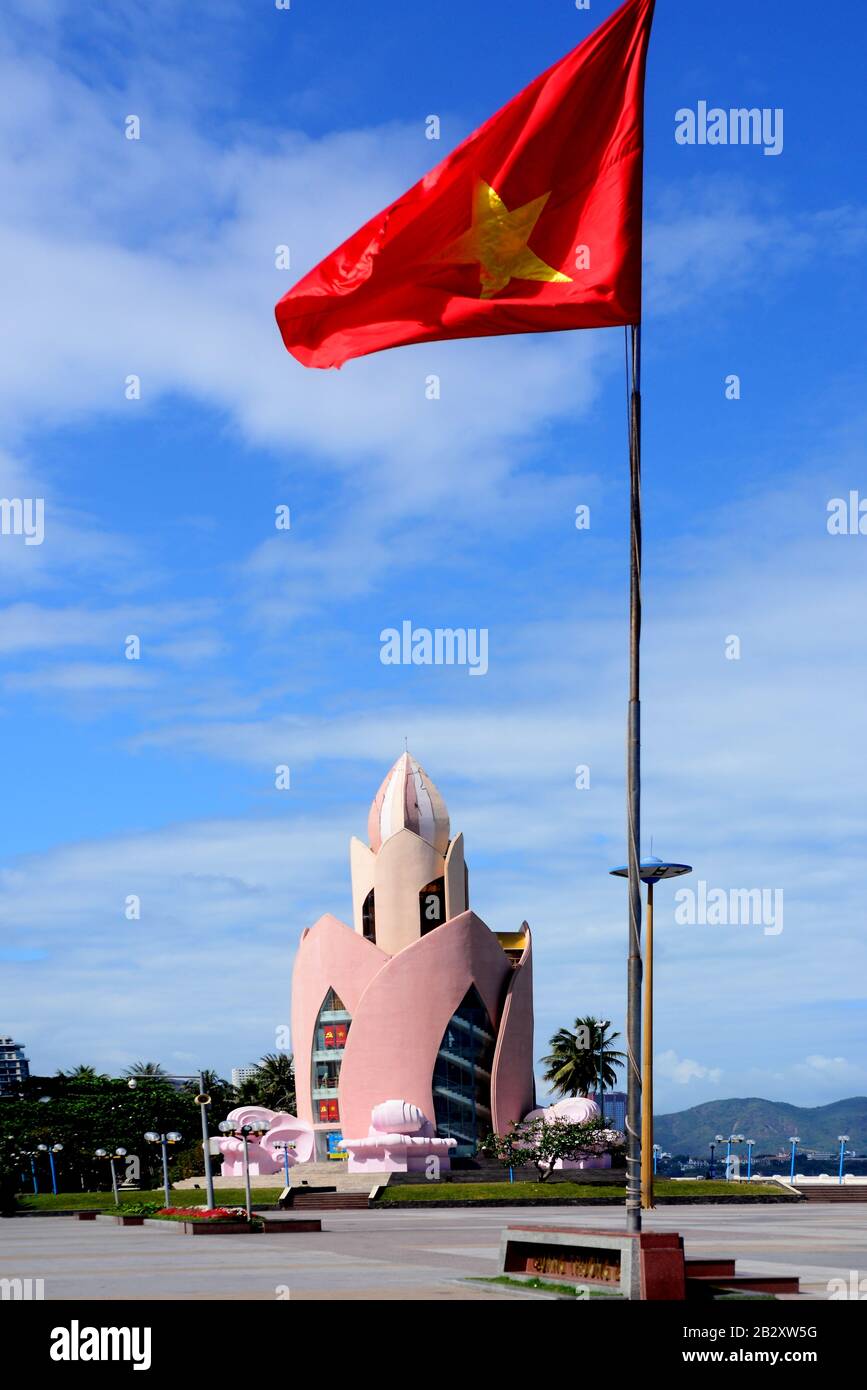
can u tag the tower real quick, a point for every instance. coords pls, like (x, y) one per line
(418, 1001)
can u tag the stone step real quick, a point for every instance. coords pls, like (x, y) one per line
(707, 1285)
(328, 1201)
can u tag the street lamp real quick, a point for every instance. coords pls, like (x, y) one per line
(749, 1143)
(657, 1150)
(844, 1140)
(649, 871)
(54, 1149)
(794, 1140)
(732, 1139)
(256, 1127)
(712, 1147)
(32, 1155)
(171, 1136)
(285, 1147)
(118, 1153)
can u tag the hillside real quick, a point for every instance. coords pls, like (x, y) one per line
(769, 1122)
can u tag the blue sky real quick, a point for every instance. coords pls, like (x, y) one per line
(156, 257)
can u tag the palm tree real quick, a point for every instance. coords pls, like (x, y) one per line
(83, 1073)
(581, 1060)
(152, 1069)
(273, 1086)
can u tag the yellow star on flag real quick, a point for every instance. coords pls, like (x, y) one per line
(497, 240)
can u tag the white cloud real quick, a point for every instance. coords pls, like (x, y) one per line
(683, 1070)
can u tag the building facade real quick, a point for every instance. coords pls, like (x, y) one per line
(418, 1001)
(14, 1066)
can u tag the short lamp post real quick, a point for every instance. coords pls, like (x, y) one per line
(171, 1136)
(657, 1150)
(118, 1153)
(844, 1140)
(286, 1148)
(51, 1151)
(794, 1140)
(712, 1147)
(749, 1143)
(257, 1127)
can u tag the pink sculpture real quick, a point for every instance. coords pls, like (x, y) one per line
(400, 1140)
(263, 1154)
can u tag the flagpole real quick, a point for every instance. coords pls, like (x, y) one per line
(633, 803)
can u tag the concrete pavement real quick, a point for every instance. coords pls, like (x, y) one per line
(395, 1255)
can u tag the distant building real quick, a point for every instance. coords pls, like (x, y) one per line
(242, 1074)
(14, 1066)
(614, 1107)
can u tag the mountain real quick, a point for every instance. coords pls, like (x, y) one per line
(769, 1122)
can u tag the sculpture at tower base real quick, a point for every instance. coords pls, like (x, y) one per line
(265, 1152)
(400, 1140)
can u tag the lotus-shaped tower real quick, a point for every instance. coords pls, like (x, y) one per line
(419, 1001)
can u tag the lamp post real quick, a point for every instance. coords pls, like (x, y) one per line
(844, 1140)
(54, 1149)
(649, 871)
(794, 1140)
(31, 1154)
(285, 1147)
(257, 1127)
(118, 1153)
(712, 1147)
(657, 1150)
(732, 1139)
(749, 1143)
(171, 1136)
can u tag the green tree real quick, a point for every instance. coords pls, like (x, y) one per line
(582, 1059)
(83, 1073)
(541, 1142)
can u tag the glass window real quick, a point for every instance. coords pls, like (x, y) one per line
(462, 1075)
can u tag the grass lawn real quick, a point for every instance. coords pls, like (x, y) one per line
(556, 1192)
(181, 1197)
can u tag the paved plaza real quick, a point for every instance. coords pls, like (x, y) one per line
(401, 1254)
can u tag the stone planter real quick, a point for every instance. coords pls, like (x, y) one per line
(293, 1227)
(129, 1221)
(216, 1228)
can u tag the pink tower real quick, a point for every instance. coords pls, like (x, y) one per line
(418, 1003)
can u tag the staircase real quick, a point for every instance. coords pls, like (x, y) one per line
(818, 1192)
(707, 1277)
(326, 1201)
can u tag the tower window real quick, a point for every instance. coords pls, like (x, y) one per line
(368, 918)
(432, 905)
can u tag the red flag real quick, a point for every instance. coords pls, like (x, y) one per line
(533, 224)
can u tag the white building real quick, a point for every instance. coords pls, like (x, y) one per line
(14, 1066)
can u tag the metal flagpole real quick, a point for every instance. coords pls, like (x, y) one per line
(633, 804)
